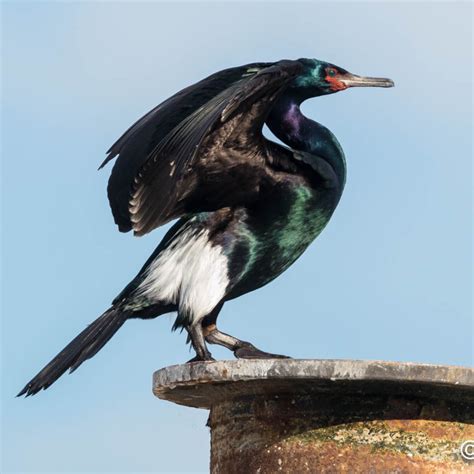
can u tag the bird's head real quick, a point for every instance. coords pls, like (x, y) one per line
(321, 78)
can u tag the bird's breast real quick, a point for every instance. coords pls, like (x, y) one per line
(277, 231)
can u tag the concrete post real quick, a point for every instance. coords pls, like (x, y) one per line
(329, 416)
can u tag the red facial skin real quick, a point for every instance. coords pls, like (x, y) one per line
(335, 83)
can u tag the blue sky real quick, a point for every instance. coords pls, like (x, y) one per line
(389, 278)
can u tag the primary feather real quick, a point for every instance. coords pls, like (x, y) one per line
(133, 148)
(201, 152)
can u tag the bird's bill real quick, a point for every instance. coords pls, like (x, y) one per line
(352, 80)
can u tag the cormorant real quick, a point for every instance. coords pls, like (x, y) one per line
(248, 207)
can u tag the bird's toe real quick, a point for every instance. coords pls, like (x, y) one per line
(201, 359)
(249, 351)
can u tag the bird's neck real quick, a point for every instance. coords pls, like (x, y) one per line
(303, 134)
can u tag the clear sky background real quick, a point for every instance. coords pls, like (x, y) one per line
(389, 278)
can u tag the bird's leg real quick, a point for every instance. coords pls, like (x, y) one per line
(241, 349)
(198, 342)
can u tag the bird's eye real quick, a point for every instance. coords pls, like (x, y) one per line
(331, 72)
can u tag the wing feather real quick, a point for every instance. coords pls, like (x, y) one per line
(170, 181)
(158, 187)
(133, 148)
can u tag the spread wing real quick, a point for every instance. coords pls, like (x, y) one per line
(133, 148)
(215, 157)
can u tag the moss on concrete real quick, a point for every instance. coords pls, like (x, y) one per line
(379, 436)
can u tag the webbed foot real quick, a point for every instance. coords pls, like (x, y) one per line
(249, 351)
(197, 358)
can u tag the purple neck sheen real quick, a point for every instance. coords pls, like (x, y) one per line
(287, 123)
(292, 120)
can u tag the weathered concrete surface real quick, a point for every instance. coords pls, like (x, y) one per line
(328, 415)
(203, 384)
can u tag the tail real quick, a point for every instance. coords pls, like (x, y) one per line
(83, 347)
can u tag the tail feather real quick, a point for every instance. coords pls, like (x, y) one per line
(81, 348)
(91, 350)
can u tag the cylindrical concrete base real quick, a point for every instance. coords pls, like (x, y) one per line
(295, 416)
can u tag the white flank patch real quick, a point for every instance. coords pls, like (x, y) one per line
(190, 273)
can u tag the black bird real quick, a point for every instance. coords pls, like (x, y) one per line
(248, 207)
